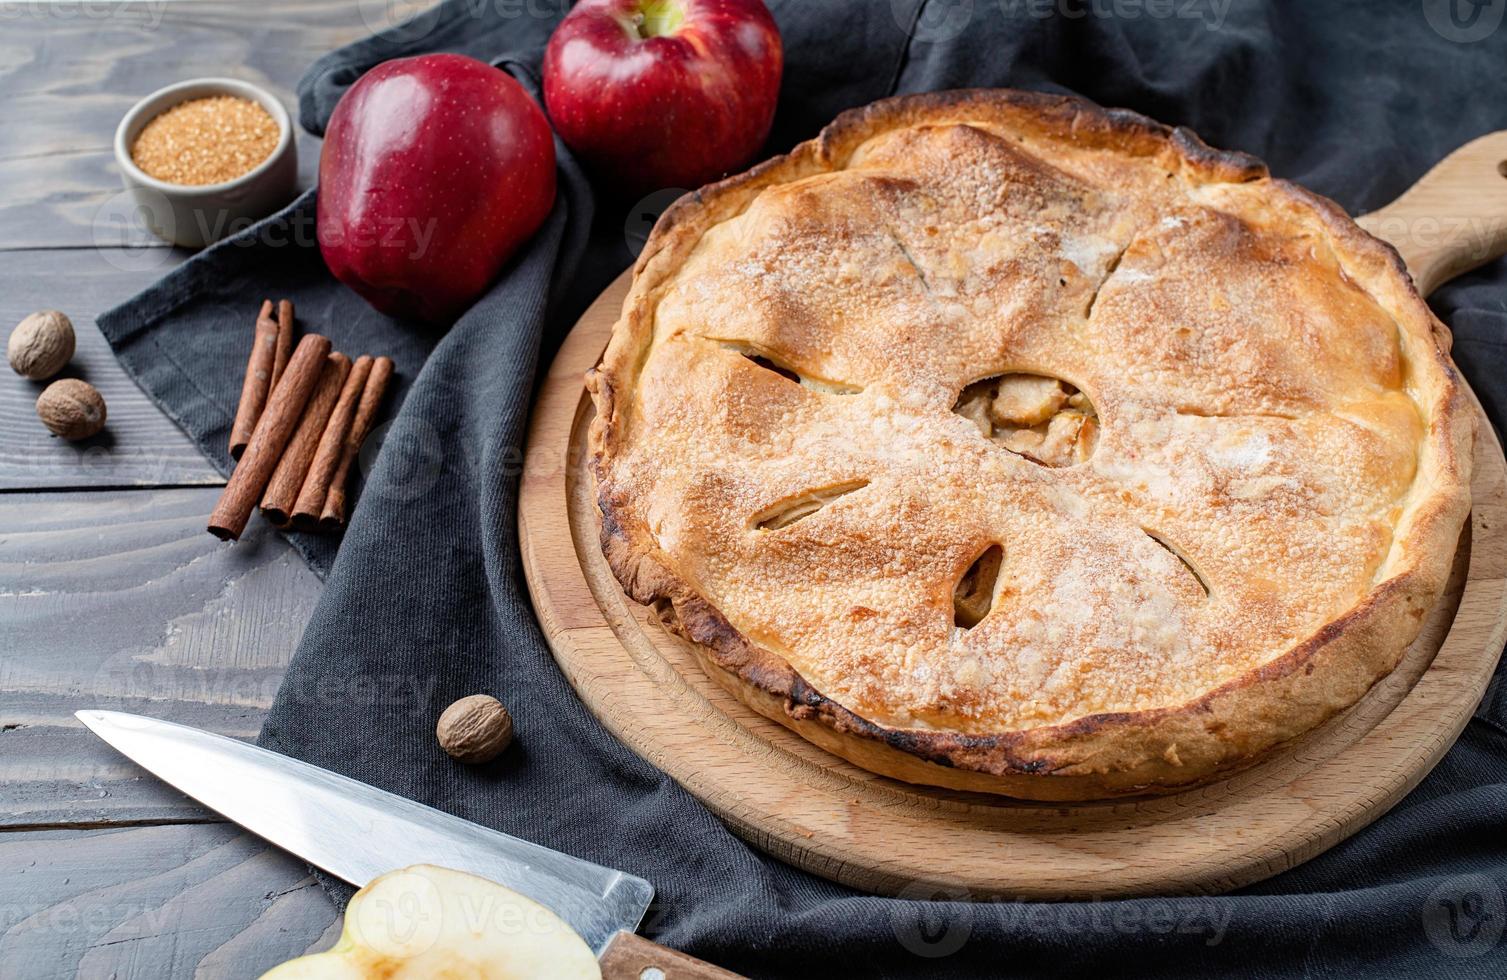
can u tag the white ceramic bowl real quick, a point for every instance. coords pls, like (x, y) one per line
(195, 216)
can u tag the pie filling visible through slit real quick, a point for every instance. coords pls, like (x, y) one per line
(1003, 442)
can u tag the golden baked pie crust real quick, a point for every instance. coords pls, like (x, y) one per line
(1267, 509)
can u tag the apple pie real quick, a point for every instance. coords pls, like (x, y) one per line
(1004, 442)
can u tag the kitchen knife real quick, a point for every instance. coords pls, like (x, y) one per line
(356, 833)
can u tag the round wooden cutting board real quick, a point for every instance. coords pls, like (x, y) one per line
(816, 811)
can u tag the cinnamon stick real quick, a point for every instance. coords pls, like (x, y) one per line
(332, 517)
(258, 381)
(282, 489)
(316, 486)
(284, 339)
(285, 406)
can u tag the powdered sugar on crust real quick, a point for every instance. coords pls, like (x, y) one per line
(1258, 445)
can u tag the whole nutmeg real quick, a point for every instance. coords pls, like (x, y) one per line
(41, 345)
(475, 729)
(72, 409)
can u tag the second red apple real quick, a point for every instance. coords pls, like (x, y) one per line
(664, 93)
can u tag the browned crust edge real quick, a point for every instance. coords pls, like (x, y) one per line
(1101, 755)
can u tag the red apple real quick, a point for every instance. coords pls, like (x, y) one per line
(664, 93)
(434, 170)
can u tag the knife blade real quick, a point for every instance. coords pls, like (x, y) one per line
(357, 832)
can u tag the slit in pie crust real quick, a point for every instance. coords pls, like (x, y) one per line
(1003, 442)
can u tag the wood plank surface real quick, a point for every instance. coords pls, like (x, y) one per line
(70, 71)
(154, 902)
(123, 601)
(120, 599)
(140, 446)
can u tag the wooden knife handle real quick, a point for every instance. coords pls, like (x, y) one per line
(1454, 218)
(630, 957)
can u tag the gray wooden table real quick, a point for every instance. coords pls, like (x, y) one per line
(111, 593)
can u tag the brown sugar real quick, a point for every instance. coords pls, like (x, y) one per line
(206, 141)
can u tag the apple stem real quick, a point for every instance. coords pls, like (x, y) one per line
(657, 18)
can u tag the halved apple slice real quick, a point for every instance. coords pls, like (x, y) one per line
(430, 922)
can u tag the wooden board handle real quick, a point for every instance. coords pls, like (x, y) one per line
(630, 957)
(1454, 218)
